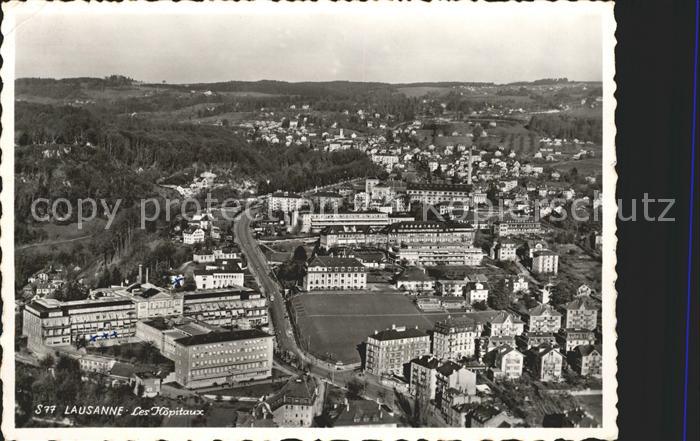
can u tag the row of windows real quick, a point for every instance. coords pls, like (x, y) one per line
(230, 351)
(226, 369)
(230, 360)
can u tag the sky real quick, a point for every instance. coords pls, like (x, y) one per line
(394, 45)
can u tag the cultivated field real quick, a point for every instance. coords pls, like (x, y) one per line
(335, 325)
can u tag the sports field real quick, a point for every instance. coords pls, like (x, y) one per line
(335, 325)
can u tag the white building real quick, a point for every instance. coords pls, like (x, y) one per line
(335, 273)
(219, 278)
(285, 201)
(193, 235)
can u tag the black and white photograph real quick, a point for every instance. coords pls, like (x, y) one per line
(358, 220)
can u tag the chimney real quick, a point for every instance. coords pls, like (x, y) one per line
(146, 275)
(140, 273)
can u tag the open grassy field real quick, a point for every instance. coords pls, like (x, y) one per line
(335, 325)
(419, 91)
(578, 268)
(593, 404)
(586, 166)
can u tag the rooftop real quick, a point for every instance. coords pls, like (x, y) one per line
(219, 337)
(397, 333)
(332, 262)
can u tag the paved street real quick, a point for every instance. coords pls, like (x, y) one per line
(257, 264)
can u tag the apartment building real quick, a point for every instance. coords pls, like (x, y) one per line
(588, 361)
(455, 338)
(504, 250)
(335, 273)
(389, 350)
(422, 377)
(219, 358)
(570, 339)
(504, 324)
(507, 363)
(545, 262)
(285, 201)
(543, 318)
(546, 363)
(581, 313)
(454, 384)
(326, 200)
(297, 403)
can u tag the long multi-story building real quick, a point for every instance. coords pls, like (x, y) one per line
(398, 233)
(517, 227)
(351, 236)
(110, 316)
(335, 273)
(433, 194)
(219, 358)
(108, 320)
(389, 350)
(240, 307)
(430, 232)
(432, 254)
(315, 222)
(455, 338)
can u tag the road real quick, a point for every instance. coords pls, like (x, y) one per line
(53, 242)
(257, 265)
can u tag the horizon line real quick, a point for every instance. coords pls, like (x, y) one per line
(166, 82)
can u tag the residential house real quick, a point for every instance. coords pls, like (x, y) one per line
(587, 360)
(581, 313)
(507, 363)
(546, 363)
(476, 292)
(415, 279)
